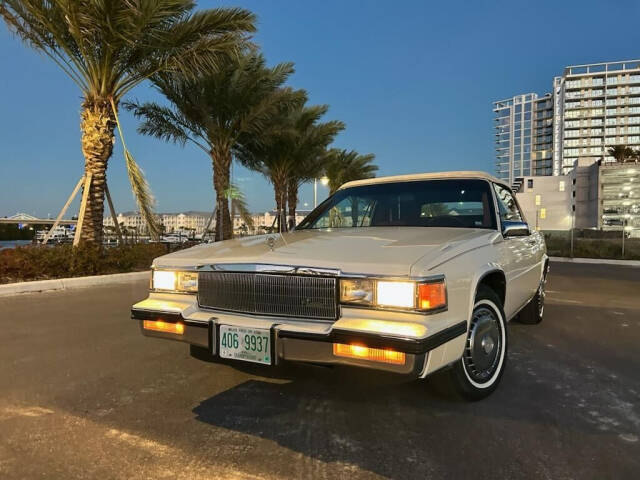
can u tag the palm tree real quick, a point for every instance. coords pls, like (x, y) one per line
(108, 47)
(239, 206)
(219, 112)
(309, 159)
(283, 153)
(345, 166)
(622, 153)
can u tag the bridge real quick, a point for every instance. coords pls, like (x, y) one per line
(24, 219)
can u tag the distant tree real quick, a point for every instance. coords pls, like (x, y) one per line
(283, 153)
(219, 112)
(239, 206)
(344, 166)
(108, 47)
(622, 153)
(309, 158)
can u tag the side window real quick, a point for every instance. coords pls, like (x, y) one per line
(507, 205)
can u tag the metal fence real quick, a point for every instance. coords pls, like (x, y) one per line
(605, 244)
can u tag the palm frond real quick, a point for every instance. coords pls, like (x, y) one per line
(142, 194)
(109, 46)
(139, 185)
(165, 124)
(239, 205)
(343, 166)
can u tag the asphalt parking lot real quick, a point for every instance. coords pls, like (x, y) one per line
(84, 395)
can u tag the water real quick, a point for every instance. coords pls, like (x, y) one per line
(13, 243)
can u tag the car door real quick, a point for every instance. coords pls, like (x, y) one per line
(520, 254)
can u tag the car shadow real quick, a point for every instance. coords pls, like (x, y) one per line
(402, 429)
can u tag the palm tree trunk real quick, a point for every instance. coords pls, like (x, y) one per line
(97, 125)
(292, 197)
(221, 159)
(280, 189)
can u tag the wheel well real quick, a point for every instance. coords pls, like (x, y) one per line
(496, 282)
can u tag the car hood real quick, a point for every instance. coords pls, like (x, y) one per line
(373, 250)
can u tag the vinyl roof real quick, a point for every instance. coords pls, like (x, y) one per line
(423, 176)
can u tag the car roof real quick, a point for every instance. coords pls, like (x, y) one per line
(424, 176)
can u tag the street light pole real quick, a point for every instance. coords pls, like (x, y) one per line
(324, 181)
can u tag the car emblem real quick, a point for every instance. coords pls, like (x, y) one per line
(271, 242)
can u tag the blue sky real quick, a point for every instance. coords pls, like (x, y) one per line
(413, 80)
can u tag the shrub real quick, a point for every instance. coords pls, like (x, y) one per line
(605, 247)
(35, 262)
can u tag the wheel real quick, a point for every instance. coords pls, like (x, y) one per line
(477, 374)
(533, 312)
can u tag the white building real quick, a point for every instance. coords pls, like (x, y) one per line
(262, 222)
(173, 222)
(591, 108)
(195, 222)
(547, 201)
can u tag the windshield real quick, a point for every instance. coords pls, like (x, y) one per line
(429, 203)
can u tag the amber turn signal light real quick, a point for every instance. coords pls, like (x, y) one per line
(166, 327)
(365, 353)
(431, 295)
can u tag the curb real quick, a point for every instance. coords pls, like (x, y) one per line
(597, 261)
(70, 283)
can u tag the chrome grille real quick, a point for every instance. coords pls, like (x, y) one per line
(269, 294)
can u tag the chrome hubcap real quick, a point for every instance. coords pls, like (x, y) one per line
(484, 345)
(487, 344)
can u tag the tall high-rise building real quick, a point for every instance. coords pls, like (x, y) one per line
(524, 134)
(591, 108)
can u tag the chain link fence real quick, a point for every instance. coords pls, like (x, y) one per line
(605, 244)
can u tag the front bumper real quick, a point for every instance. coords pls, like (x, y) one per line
(297, 340)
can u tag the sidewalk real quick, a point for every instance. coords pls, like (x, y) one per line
(598, 261)
(69, 283)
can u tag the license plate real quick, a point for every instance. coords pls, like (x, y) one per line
(248, 344)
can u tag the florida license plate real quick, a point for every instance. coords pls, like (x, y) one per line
(248, 344)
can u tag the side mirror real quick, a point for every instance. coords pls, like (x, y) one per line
(515, 229)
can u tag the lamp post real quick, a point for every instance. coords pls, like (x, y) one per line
(324, 181)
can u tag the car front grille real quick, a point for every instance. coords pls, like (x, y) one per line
(308, 297)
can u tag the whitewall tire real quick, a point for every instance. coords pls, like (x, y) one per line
(479, 370)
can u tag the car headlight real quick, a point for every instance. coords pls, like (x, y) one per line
(359, 291)
(396, 294)
(421, 296)
(174, 281)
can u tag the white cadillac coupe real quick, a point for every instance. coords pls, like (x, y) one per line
(409, 274)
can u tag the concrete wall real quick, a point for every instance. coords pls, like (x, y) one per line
(585, 174)
(555, 204)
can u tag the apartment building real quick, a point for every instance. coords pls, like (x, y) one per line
(524, 136)
(590, 109)
(196, 222)
(172, 222)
